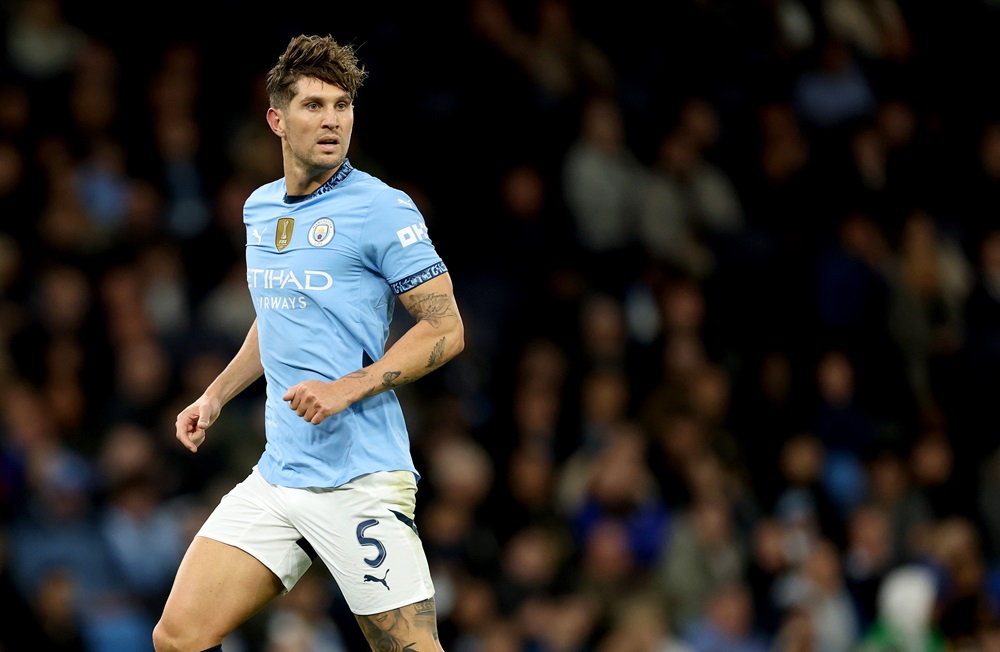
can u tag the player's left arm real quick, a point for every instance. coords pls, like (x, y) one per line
(437, 336)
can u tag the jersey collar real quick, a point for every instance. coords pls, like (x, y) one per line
(345, 169)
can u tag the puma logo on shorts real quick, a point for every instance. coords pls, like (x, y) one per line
(372, 578)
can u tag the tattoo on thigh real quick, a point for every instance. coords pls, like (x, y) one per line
(408, 628)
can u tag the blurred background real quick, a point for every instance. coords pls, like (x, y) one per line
(730, 272)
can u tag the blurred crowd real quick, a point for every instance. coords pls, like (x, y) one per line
(730, 272)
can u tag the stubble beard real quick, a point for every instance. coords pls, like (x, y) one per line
(320, 164)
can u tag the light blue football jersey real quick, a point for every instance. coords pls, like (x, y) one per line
(324, 271)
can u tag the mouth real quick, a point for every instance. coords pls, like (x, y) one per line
(329, 144)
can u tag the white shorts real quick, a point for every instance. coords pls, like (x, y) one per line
(363, 531)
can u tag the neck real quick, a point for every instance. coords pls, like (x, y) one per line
(304, 184)
(311, 185)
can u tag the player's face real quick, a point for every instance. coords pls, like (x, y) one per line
(317, 125)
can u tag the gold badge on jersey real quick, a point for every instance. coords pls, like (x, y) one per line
(283, 234)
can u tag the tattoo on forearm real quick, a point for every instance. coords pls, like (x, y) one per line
(431, 308)
(389, 381)
(437, 353)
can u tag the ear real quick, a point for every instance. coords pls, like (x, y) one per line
(275, 120)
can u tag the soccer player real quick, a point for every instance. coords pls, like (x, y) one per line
(329, 249)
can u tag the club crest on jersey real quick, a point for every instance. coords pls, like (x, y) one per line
(283, 234)
(321, 232)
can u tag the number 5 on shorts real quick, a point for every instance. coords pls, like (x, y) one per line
(369, 541)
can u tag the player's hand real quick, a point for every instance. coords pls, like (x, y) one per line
(193, 420)
(314, 400)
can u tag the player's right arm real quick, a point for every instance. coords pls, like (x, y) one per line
(242, 370)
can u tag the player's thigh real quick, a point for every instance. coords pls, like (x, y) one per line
(412, 627)
(365, 534)
(254, 518)
(245, 554)
(217, 588)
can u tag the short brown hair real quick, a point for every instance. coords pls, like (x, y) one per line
(313, 56)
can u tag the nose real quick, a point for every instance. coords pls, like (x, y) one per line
(331, 118)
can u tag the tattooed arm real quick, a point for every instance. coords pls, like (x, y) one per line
(437, 336)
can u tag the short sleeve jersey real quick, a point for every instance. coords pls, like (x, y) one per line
(324, 271)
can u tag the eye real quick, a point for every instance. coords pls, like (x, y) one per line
(342, 106)
(312, 106)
